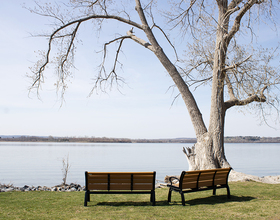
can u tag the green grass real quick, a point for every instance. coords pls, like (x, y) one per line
(249, 200)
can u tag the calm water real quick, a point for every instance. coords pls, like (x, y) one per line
(41, 163)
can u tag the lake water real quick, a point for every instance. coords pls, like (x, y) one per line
(41, 163)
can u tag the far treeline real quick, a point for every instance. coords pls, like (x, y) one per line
(234, 139)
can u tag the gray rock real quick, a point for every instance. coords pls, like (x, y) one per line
(9, 189)
(62, 188)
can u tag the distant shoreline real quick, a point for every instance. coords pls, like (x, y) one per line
(233, 139)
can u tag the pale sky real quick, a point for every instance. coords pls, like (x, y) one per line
(142, 109)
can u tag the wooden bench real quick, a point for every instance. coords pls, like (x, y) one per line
(199, 180)
(120, 183)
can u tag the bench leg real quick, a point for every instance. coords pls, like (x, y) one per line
(228, 192)
(153, 197)
(214, 191)
(169, 195)
(85, 202)
(183, 198)
(87, 198)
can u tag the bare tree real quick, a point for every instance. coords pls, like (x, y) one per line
(65, 169)
(244, 75)
(214, 57)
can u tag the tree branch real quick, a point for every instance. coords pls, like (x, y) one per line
(103, 76)
(250, 99)
(230, 88)
(235, 65)
(39, 72)
(188, 98)
(166, 37)
(236, 25)
(140, 41)
(233, 4)
(183, 14)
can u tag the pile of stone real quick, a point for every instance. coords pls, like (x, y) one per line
(61, 188)
(238, 176)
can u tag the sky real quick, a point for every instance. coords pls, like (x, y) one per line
(142, 109)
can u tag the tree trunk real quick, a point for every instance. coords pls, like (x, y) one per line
(208, 152)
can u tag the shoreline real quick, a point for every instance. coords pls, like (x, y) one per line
(234, 176)
(52, 139)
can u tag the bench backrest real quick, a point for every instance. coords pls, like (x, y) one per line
(202, 178)
(120, 180)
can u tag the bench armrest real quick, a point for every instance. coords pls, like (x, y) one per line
(170, 179)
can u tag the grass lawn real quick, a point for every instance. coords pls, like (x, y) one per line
(249, 200)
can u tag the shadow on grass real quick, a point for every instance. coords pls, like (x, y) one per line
(158, 203)
(212, 200)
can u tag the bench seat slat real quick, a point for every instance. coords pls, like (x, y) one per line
(220, 182)
(192, 174)
(191, 185)
(121, 176)
(191, 177)
(120, 180)
(143, 187)
(205, 183)
(120, 186)
(220, 175)
(206, 176)
(97, 186)
(137, 176)
(143, 180)
(97, 180)
(97, 175)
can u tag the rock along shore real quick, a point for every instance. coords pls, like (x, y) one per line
(235, 176)
(59, 188)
